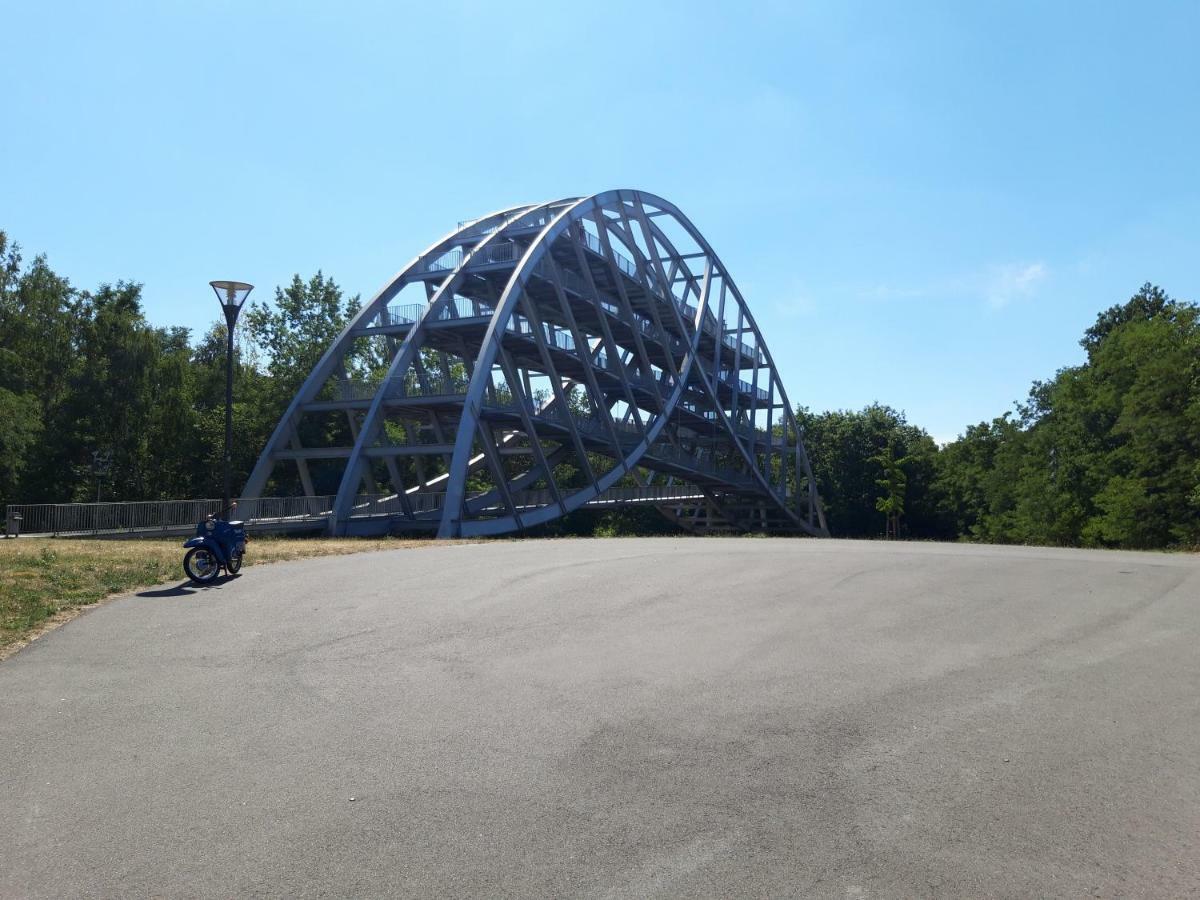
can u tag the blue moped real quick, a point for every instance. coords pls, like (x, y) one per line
(218, 544)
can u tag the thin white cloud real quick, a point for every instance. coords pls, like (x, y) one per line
(796, 303)
(997, 286)
(1013, 281)
(795, 306)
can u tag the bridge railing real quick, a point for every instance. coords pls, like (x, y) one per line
(151, 517)
(508, 252)
(650, 494)
(161, 517)
(400, 386)
(284, 509)
(400, 314)
(368, 506)
(465, 308)
(445, 261)
(615, 495)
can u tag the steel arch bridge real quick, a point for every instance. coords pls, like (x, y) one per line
(589, 351)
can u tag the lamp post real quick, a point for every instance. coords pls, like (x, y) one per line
(231, 295)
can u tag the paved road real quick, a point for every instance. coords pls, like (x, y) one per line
(620, 718)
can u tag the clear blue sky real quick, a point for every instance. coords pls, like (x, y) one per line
(924, 203)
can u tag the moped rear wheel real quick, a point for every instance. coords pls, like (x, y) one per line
(201, 565)
(235, 564)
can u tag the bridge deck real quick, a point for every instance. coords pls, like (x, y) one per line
(374, 514)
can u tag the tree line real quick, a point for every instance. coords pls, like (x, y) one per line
(1104, 454)
(95, 402)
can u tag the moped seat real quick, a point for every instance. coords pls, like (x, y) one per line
(235, 524)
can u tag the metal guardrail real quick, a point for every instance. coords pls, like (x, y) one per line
(284, 509)
(504, 251)
(465, 308)
(443, 262)
(368, 506)
(159, 516)
(746, 387)
(624, 263)
(554, 415)
(700, 461)
(400, 314)
(449, 260)
(650, 494)
(400, 387)
(509, 251)
(615, 496)
(687, 310)
(534, 220)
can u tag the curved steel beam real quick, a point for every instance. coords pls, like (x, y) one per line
(337, 351)
(543, 274)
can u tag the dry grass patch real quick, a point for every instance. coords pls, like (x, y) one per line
(47, 581)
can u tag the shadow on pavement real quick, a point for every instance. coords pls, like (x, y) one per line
(186, 588)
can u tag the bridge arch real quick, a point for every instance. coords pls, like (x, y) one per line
(553, 352)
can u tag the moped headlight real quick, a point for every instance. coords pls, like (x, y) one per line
(210, 524)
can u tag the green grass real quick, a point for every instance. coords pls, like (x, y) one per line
(46, 581)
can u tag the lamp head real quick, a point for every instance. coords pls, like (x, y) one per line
(231, 295)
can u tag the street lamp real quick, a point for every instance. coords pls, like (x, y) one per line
(231, 295)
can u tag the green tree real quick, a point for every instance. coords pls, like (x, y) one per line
(37, 312)
(842, 446)
(1105, 453)
(255, 409)
(20, 430)
(976, 478)
(295, 331)
(1148, 302)
(894, 481)
(293, 334)
(1146, 374)
(111, 392)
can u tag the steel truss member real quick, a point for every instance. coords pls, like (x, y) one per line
(589, 351)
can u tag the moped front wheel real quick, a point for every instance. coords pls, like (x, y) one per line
(201, 565)
(235, 564)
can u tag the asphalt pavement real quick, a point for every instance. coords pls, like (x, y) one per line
(619, 718)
